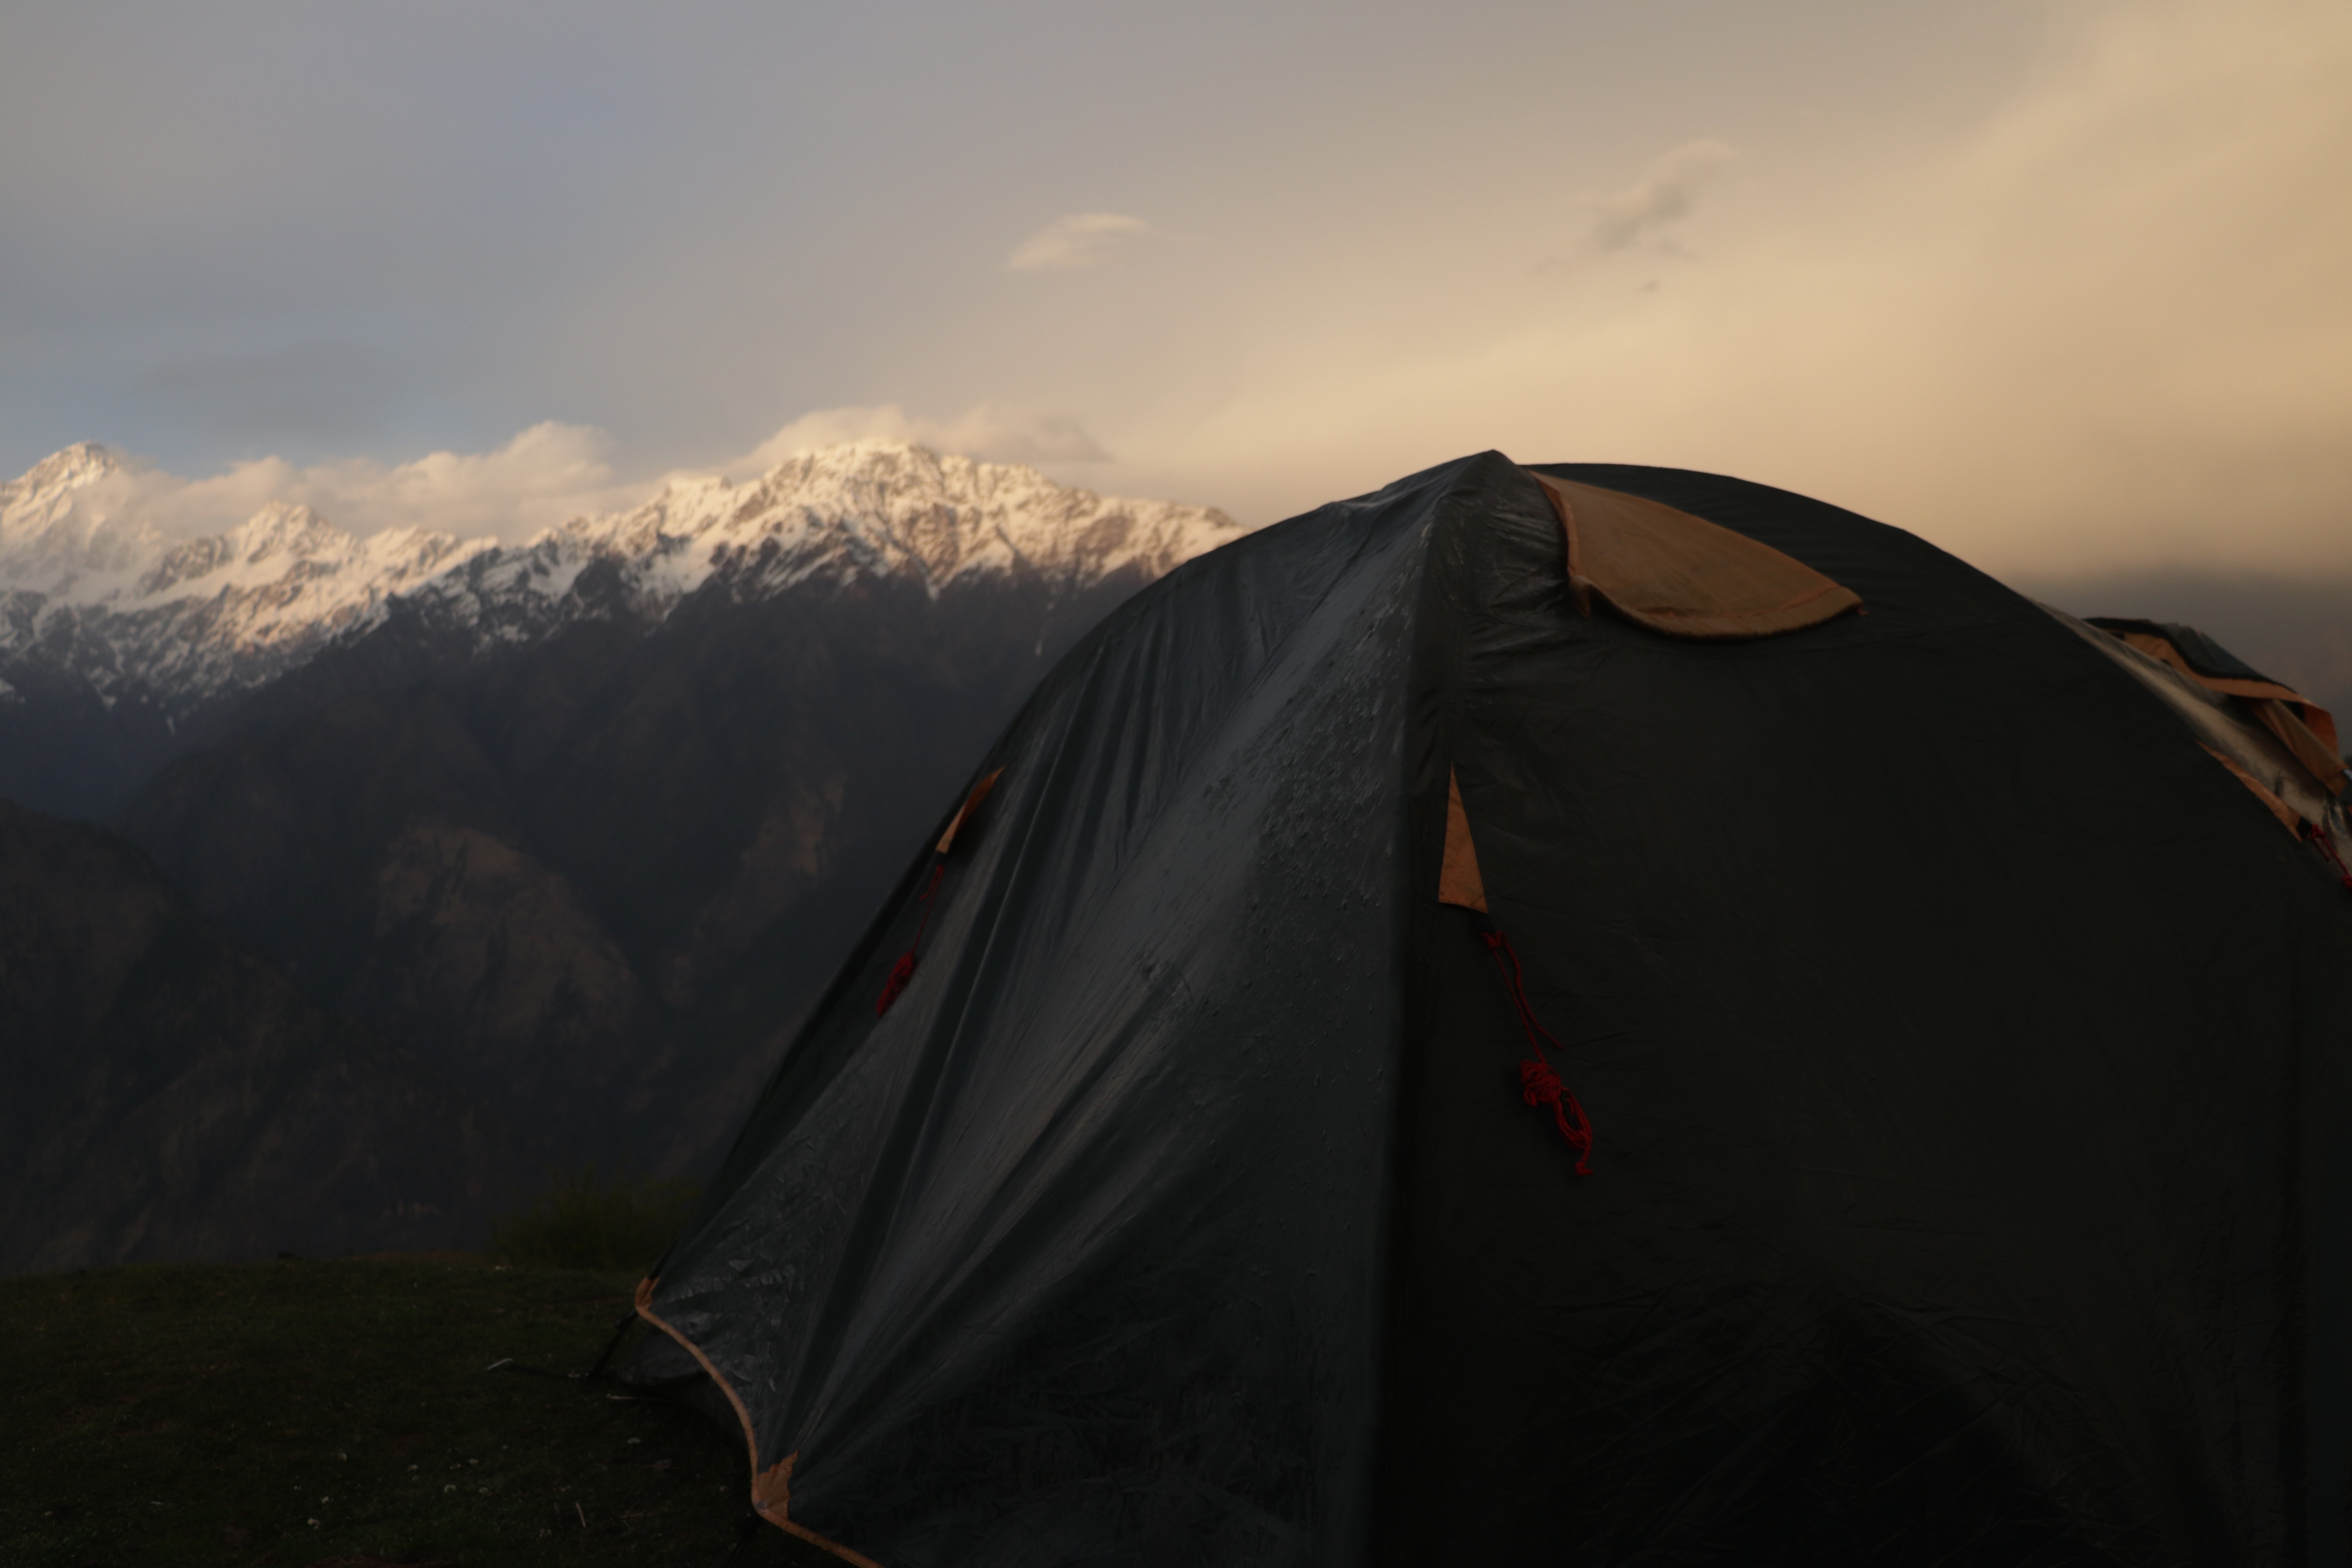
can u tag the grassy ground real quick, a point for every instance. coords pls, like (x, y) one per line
(338, 1414)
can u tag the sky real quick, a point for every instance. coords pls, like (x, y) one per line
(2058, 284)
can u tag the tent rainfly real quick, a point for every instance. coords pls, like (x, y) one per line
(1572, 1014)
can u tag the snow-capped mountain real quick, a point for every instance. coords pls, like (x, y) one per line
(875, 509)
(91, 588)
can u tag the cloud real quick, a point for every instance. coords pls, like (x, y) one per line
(2057, 284)
(2102, 326)
(1082, 239)
(1663, 197)
(992, 430)
(544, 476)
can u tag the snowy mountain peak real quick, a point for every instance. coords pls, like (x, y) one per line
(313, 571)
(283, 528)
(89, 581)
(63, 524)
(882, 508)
(51, 492)
(81, 464)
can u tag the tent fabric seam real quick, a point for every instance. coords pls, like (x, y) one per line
(781, 1517)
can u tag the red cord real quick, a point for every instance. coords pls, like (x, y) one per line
(904, 970)
(1539, 1085)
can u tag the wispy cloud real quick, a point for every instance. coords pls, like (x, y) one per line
(1660, 199)
(1002, 432)
(543, 475)
(1081, 239)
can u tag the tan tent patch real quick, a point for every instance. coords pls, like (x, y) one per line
(1458, 881)
(1683, 575)
(963, 813)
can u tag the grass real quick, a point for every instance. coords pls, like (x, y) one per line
(586, 1219)
(337, 1415)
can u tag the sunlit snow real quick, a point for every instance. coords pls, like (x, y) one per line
(88, 582)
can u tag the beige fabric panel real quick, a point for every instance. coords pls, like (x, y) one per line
(2262, 763)
(1673, 573)
(2317, 756)
(2302, 726)
(1458, 881)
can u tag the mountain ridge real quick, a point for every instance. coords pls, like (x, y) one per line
(94, 591)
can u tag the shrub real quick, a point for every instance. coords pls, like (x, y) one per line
(586, 1219)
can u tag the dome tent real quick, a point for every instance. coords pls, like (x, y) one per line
(1960, 1049)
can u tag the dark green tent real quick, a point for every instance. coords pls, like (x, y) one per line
(1186, 1167)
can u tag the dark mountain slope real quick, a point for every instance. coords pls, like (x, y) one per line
(545, 848)
(602, 875)
(171, 1095)
(63, 748)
